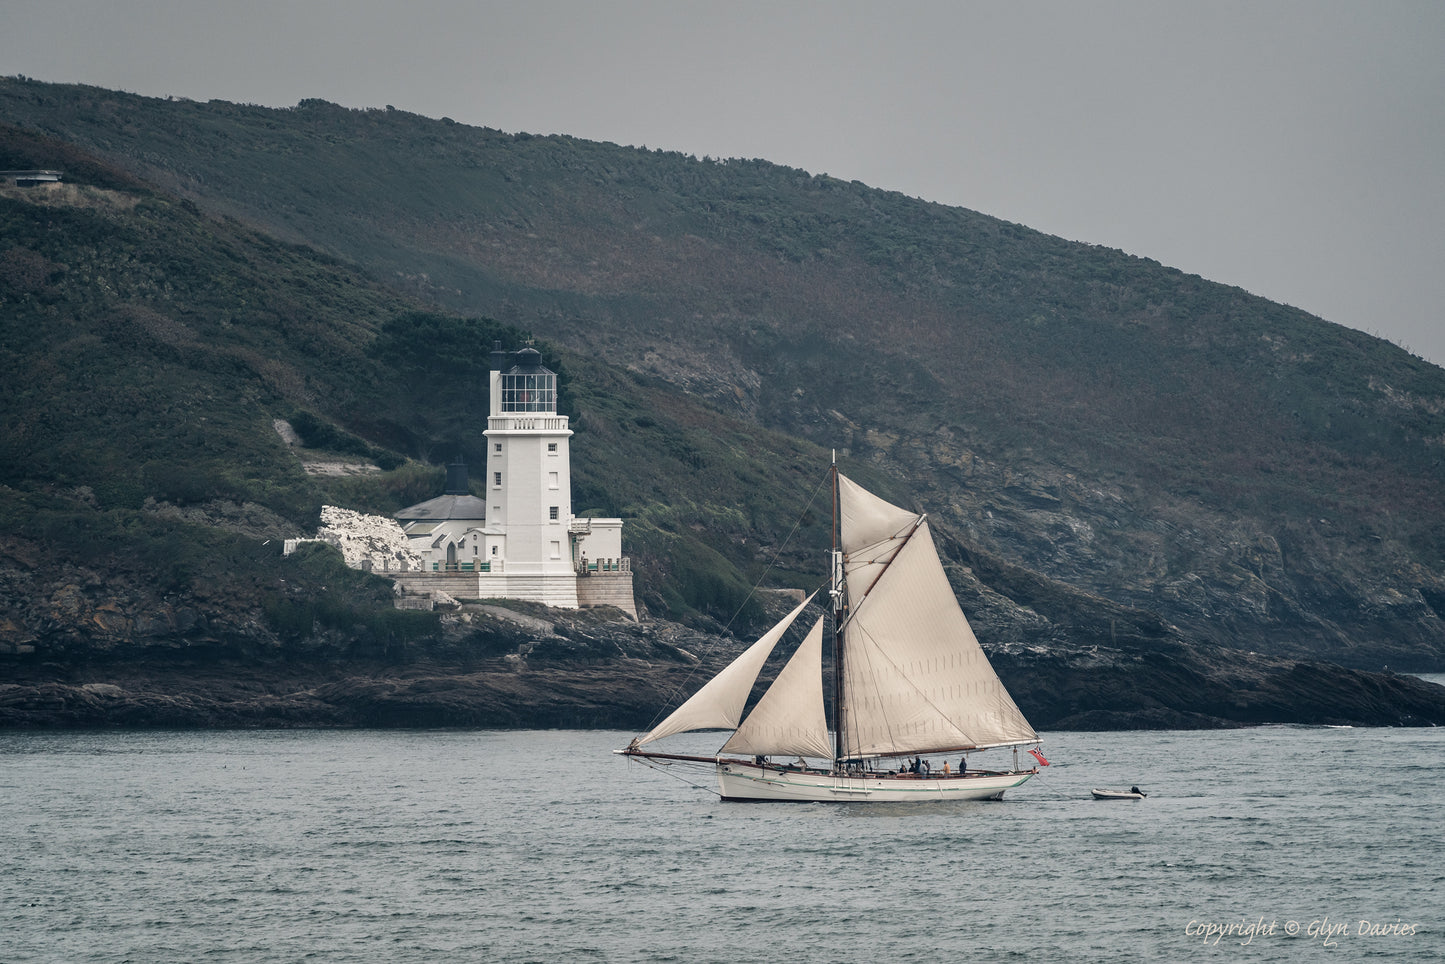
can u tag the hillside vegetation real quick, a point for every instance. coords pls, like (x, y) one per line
(1103, 442)
(147, 351)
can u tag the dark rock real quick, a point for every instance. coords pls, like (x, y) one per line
(595, 677)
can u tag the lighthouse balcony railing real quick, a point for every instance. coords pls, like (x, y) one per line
(589, 566)
(527, 423)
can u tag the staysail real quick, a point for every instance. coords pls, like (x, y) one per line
(915, 678)
(719, 704)
(789, 719)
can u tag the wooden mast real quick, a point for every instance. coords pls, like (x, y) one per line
(840, 607)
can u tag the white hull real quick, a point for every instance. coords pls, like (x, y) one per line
(1116, 795)
(745, 781)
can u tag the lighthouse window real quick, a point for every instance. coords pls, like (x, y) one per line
(497, 479)
(552, 513)
(496, 446)
(551, 448)
(531, 392)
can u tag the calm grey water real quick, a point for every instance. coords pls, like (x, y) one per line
(543, 846)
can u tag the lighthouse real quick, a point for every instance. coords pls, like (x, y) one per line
(529, 481)
(519, 539)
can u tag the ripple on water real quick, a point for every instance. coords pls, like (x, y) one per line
(425, 846)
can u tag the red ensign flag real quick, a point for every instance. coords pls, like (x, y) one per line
(1040, 757)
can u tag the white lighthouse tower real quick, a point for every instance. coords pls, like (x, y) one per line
(529, 481)
(521, 540)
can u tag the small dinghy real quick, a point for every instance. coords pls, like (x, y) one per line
(1133, 793)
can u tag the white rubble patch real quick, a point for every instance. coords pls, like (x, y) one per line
(336, 469)
(366, 541)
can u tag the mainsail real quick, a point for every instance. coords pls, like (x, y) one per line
(915, 679)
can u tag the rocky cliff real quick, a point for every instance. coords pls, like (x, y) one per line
(531, 667)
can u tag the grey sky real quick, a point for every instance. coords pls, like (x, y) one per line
(1295, 148)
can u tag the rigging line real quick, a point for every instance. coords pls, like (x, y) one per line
(878, 560)
(917, 524)
(776, 555)
(1039, 782)
(899, 534)
(667, 771)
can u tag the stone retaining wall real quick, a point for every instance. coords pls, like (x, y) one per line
(607, 589)
(595, 589)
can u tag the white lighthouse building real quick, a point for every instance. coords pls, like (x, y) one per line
(529, 481)
(520, 540)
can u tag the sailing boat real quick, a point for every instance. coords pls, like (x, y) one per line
(911, 679)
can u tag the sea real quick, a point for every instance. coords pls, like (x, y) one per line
(1277, 843)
